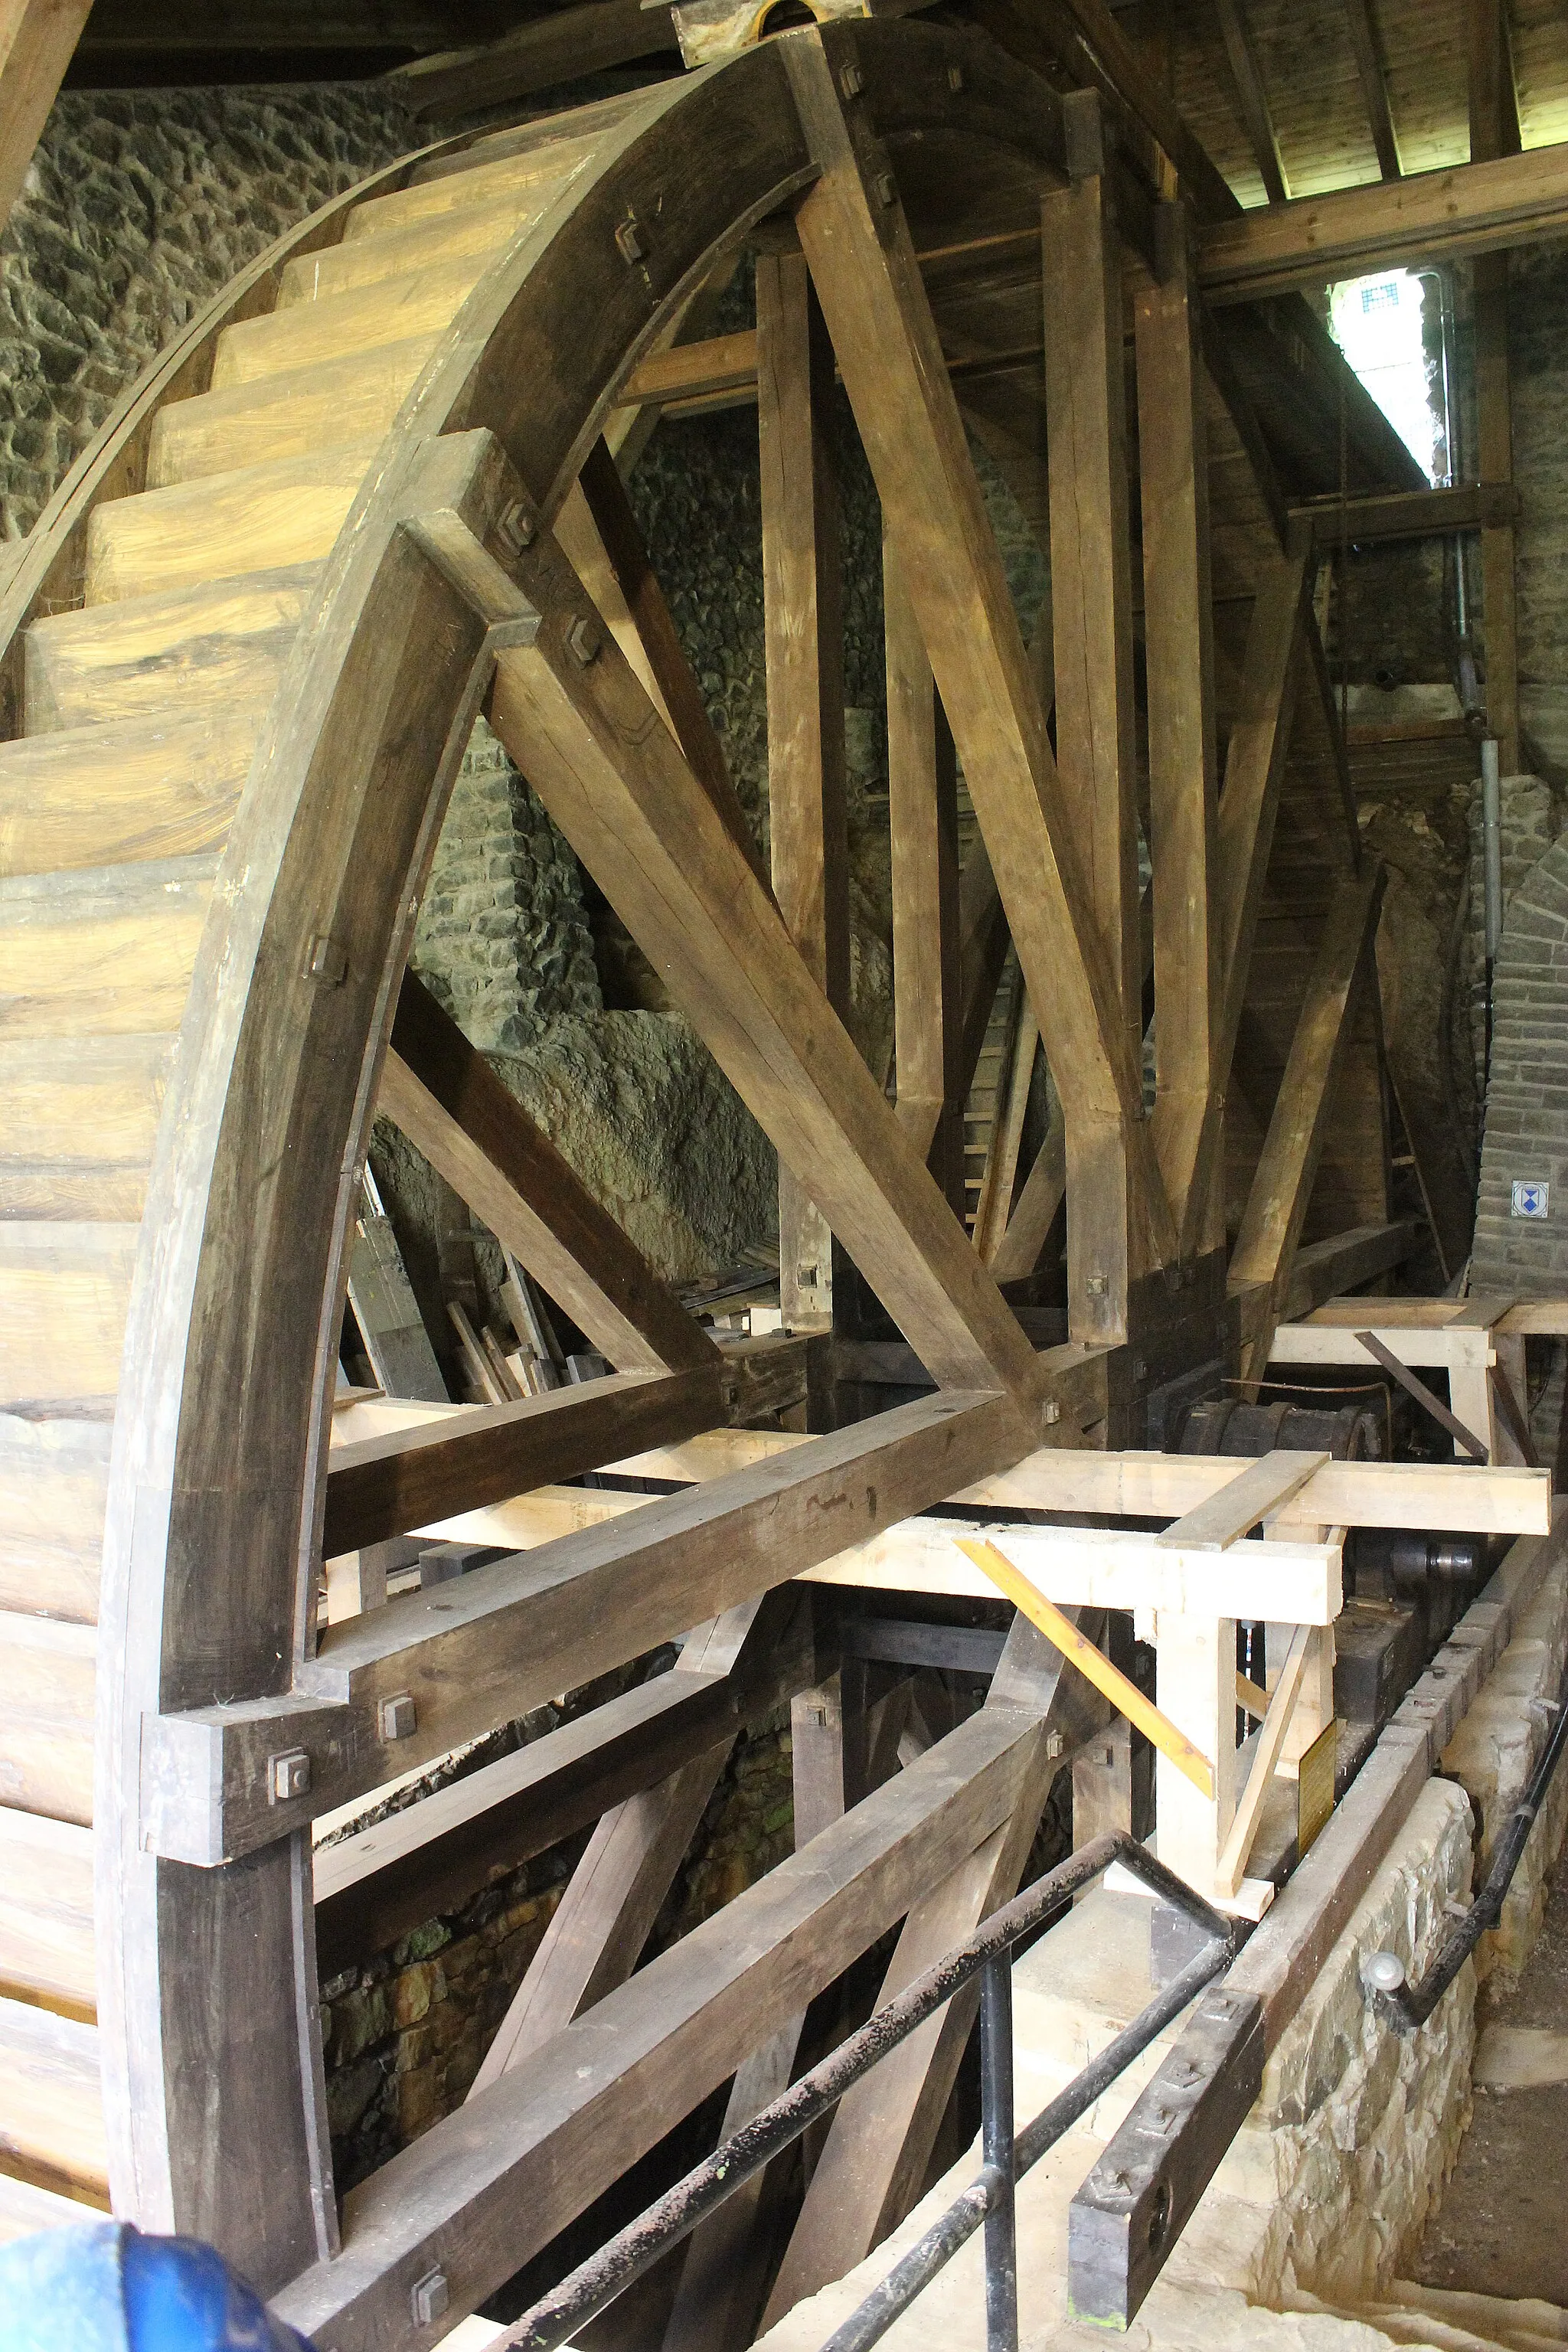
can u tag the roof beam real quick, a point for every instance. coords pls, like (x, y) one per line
(1374, 86)
(1253, 99)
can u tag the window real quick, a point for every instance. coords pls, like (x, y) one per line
(1377, 324)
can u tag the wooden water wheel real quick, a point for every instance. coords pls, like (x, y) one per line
(244, 652)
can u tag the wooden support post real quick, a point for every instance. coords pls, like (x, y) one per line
(1195, 1684)
(864, 266)
(1178, 637)
(1282, 1185)
(1091, 586)
(803, 626)
(1494, 131)
(922, 816)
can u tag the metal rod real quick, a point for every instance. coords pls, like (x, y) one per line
(1407, 2007)
(1424, 1396)
(634, 2250)
(997, 2151)
(1491, 846)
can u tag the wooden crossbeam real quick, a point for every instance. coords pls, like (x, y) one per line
(384, 1486)
(1479, 207)
(450, 1104)
(484, 2190)
(1281, 1187)
(922, 821)
(482, 1650)
(863, 264)
(606, 768)
(1254, 1494)
(587, 38)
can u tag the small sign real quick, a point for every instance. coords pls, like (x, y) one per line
(1531, 1196)
(1315, 1787)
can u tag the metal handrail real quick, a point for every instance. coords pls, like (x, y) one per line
(1406, 2007)
(1006, 2154)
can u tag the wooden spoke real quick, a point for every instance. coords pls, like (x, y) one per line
(1178, 636)
(481, 2201)
(606, 768)
(451, 1106)
(922, 816)
(876, 2154)
(1282, 1189)
(864, 266)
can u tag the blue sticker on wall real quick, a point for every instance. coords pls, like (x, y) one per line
(1531, 1196)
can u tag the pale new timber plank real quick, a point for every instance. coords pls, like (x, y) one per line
(104, 952)
(475, 233)
(1353, 1494)
(134, 788)
(47, 1672)
(45, 1912)
(64, 1292)
(1249, 1499)
(353, 398)
(422, 302)
(160, 654)
(24, 2209)
(478, 189)
(80, 1126)
(51, 2102)
(286, 510)
(54, 1489)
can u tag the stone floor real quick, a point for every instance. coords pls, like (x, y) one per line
(1502, 2227)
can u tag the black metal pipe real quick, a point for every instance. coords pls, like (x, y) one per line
(1407, 2007)
(997, 2152)
(597, 2282)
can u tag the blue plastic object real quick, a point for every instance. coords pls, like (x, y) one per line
(106, 2287)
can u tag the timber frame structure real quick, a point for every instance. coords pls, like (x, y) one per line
(369, 496)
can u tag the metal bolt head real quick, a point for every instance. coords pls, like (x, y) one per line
(515, 530)
(325, 960)
(583, 639)
(955, 79)
(1055, 1743)
(887, 188)
(1053, 1413)
(629, 240)
(1095, 1286)
(399, 1716)
(852, 81)
(287, 1776)
(429, 2297)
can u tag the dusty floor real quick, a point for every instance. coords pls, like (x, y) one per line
(1502, 2228)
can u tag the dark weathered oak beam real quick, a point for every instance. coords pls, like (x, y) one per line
(482, 1650)
(450, 1104)
(1481, 207)
(1256, 113)
(381, 1486)
(1374, 86)
(605, 767)
(1324, 525)
(552, 48)
(484, 2190)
